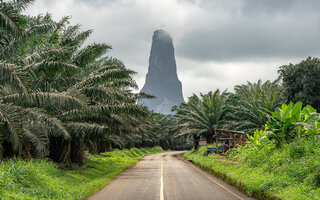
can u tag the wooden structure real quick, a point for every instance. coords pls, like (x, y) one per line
(233, 137)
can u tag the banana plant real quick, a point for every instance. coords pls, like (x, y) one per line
(282, 124)
(311, 122)
(258, 138)
(292, 121)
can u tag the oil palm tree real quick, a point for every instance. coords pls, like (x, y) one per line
(202, 115)
(59, 98)
(250, 101)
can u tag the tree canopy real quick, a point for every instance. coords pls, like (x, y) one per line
(301, 82)
(59, 97)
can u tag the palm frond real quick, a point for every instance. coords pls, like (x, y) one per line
(89, 54)
(9, 18)
(9, 75)
(36, 135)
(52, 67)
(49, 52)
(49, 101)
(59, 26)
(38, 29)
(11, 125)
(108, 76)
(22, 4)
(54, 127)
(104, 94)
(93, 130)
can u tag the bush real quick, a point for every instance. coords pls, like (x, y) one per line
(289, 172)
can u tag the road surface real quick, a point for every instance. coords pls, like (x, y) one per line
(164, 176)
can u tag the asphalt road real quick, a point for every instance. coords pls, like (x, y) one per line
(164, 176)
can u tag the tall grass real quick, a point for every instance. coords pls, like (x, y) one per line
(42, 179)
(291, 172)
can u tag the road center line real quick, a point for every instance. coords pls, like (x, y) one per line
(161, 180)
(199, 170)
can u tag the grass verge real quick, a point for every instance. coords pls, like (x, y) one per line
(42, 179)
(288, 173)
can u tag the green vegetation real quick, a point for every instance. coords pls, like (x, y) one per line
(288, 173)
(59, 97)
(165, 133)
(301, 82)
(201, 116)
(42, 179)
(281, 161)
(248, 102)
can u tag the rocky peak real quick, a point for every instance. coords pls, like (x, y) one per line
(162, 80)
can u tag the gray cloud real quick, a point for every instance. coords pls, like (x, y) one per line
(218, 43)
(280, 6)
(255, 29)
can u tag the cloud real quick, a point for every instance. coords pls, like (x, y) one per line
(218, 43)
(208, 76)
(253, 29)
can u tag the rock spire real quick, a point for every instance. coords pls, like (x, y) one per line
(162, 80)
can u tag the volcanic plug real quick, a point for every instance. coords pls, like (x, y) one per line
(162, 79)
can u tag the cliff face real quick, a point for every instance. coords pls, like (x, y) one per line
(162, 80)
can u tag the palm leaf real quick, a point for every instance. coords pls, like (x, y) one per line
(22, 4)
(9, 18)
(8, 74)
(11, 124)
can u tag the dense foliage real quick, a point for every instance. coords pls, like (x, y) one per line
(302, 81)
(59, 97)
(282, 160)
(200, 117)
(291, 172)
(165, 131)
(291, 121)
(250, 101)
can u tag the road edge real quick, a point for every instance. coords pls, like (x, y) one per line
(128, 168)
(234, 182)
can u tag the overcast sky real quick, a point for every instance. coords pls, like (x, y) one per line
(218, 43)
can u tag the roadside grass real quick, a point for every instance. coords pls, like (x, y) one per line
(42, 179)
(292, 172)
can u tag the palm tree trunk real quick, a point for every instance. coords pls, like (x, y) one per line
(94, 149)
(7, 150)
(209, 139)
(27, 151)
(103, 146)
(196, 140)
(59, 149)
(77, 153)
